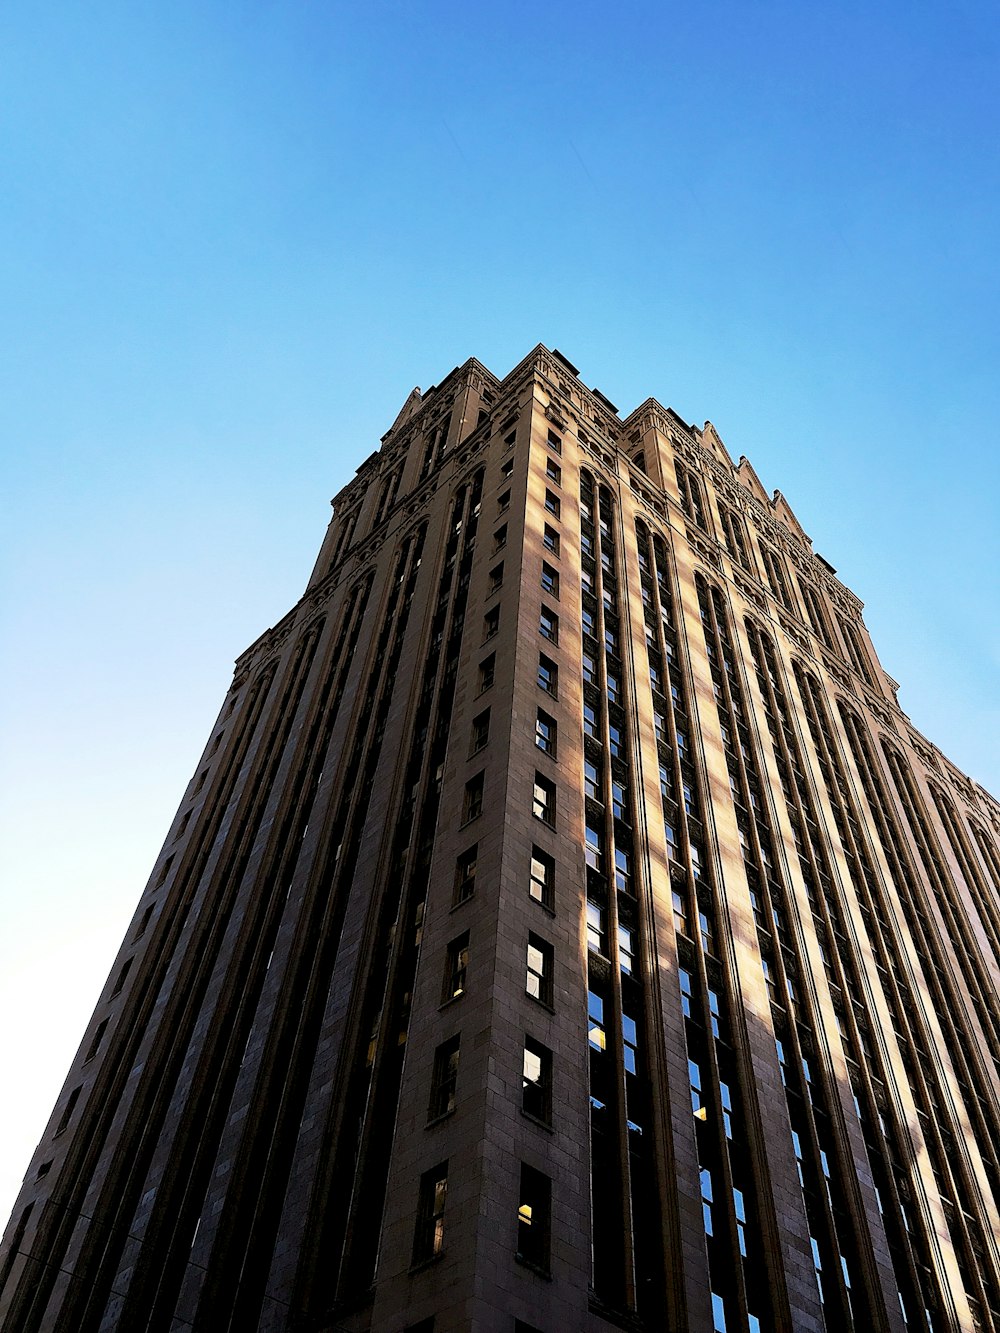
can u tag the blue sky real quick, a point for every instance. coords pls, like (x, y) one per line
(234, 236)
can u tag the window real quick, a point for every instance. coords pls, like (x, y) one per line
(623, 871)
(552, 504)
(545, 733)
(776, 577)
(588, 620)
(591, 724)
(465, 874)
(533, 1209)
(496, 577)
(548, 625)
(548, 675)
(550, 580)
(472, 805)
(553, 472)
(444, 1079)
(543, 803)
(630, 1039)
(487, 672)
(614, 688)
(541, 885)
(480, 730)
(491, 623)
(619, 800)
(428, 1236)
(593, 848)
(536, 1081)
(554, 442)
(68, 1110)
(687, 992)
(122, 975)
(626, 949)
(503, 501)
(540, 965)
(507, 468)
(614, 740)
(597, 1037)
(500, 538)
(689, 493)
(592, 779)
(96, 1040)
(550, 540)
(590, 669)
(456, 967)
(595, 926)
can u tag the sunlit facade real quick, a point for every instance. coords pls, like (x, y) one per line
(563, 929)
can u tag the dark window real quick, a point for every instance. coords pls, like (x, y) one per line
(96, 1040)
(536, 1080)
(507, 468)
(553, 471)
(776, 577)
(472, 805)
(491, 623)
(428, 1236)
(548, 675)
(68, 1110)
(554, 442)
(552, 504)
(500, 537)
(480, 730)
(533, 1220)
(543, 802)
(548, 625)
(689, 492)
(456, 966)
(140, 929)
(543, 874)
(550, 540)
(465, 874)
(424, 1326)
(443, 1079)
(122, 975)
(540, 964)
(487, 672)
(545, 733)
(550, 579)
(503, 502)
(496, 577)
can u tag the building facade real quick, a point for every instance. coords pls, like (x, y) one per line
(564, 929)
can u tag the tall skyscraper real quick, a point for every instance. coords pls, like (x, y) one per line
(564, 929)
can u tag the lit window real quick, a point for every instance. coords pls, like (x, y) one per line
(626, 949)
(595, 926)
(456, 967)
(536, 1080)
(444, 1079)
(543, 873)
(428, 1237)
(596, 1034)
(538, 983)
(534, 1205)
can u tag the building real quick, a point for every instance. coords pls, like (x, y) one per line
(564, 929)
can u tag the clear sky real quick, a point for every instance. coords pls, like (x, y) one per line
(233, 237)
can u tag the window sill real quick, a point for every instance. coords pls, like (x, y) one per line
(544, 1004)
(440, 1119)
(532, 1268)
(419, 1265)
(542, 1124)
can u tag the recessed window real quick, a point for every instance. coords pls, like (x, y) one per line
(548, 625)
(456, 966)
(487, 672)
(550, 540)
(550, 580)
(552, 504)
(506, 468)
(140, 929)
(545, 733)
(480, 730)
(543, 801)
(536, 1080)
(595, 926)
(597, 1036)
(619, 800)
(613, 688)
(428, 1236)
(491, 622)
(590, 669)
(68, 1110)
(593, 848)
(554, 442)
(465, 873)
(541, 885)
(496, 577)
(548, 675)
(122, 976)
(533, 1218)
(623, 871)
(472, 804)
(96, 1040)
(591, 721)
(626, 949)
(444, 1079)
(500, 537)
(538, 981)
(592, 780)
(553, 472)
(503, 501)
(630, 1043)
(588, 619)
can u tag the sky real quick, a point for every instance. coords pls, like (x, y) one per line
(235, 235)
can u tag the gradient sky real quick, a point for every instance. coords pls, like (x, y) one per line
(234, 236)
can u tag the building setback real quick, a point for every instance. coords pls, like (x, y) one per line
(564, 929)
